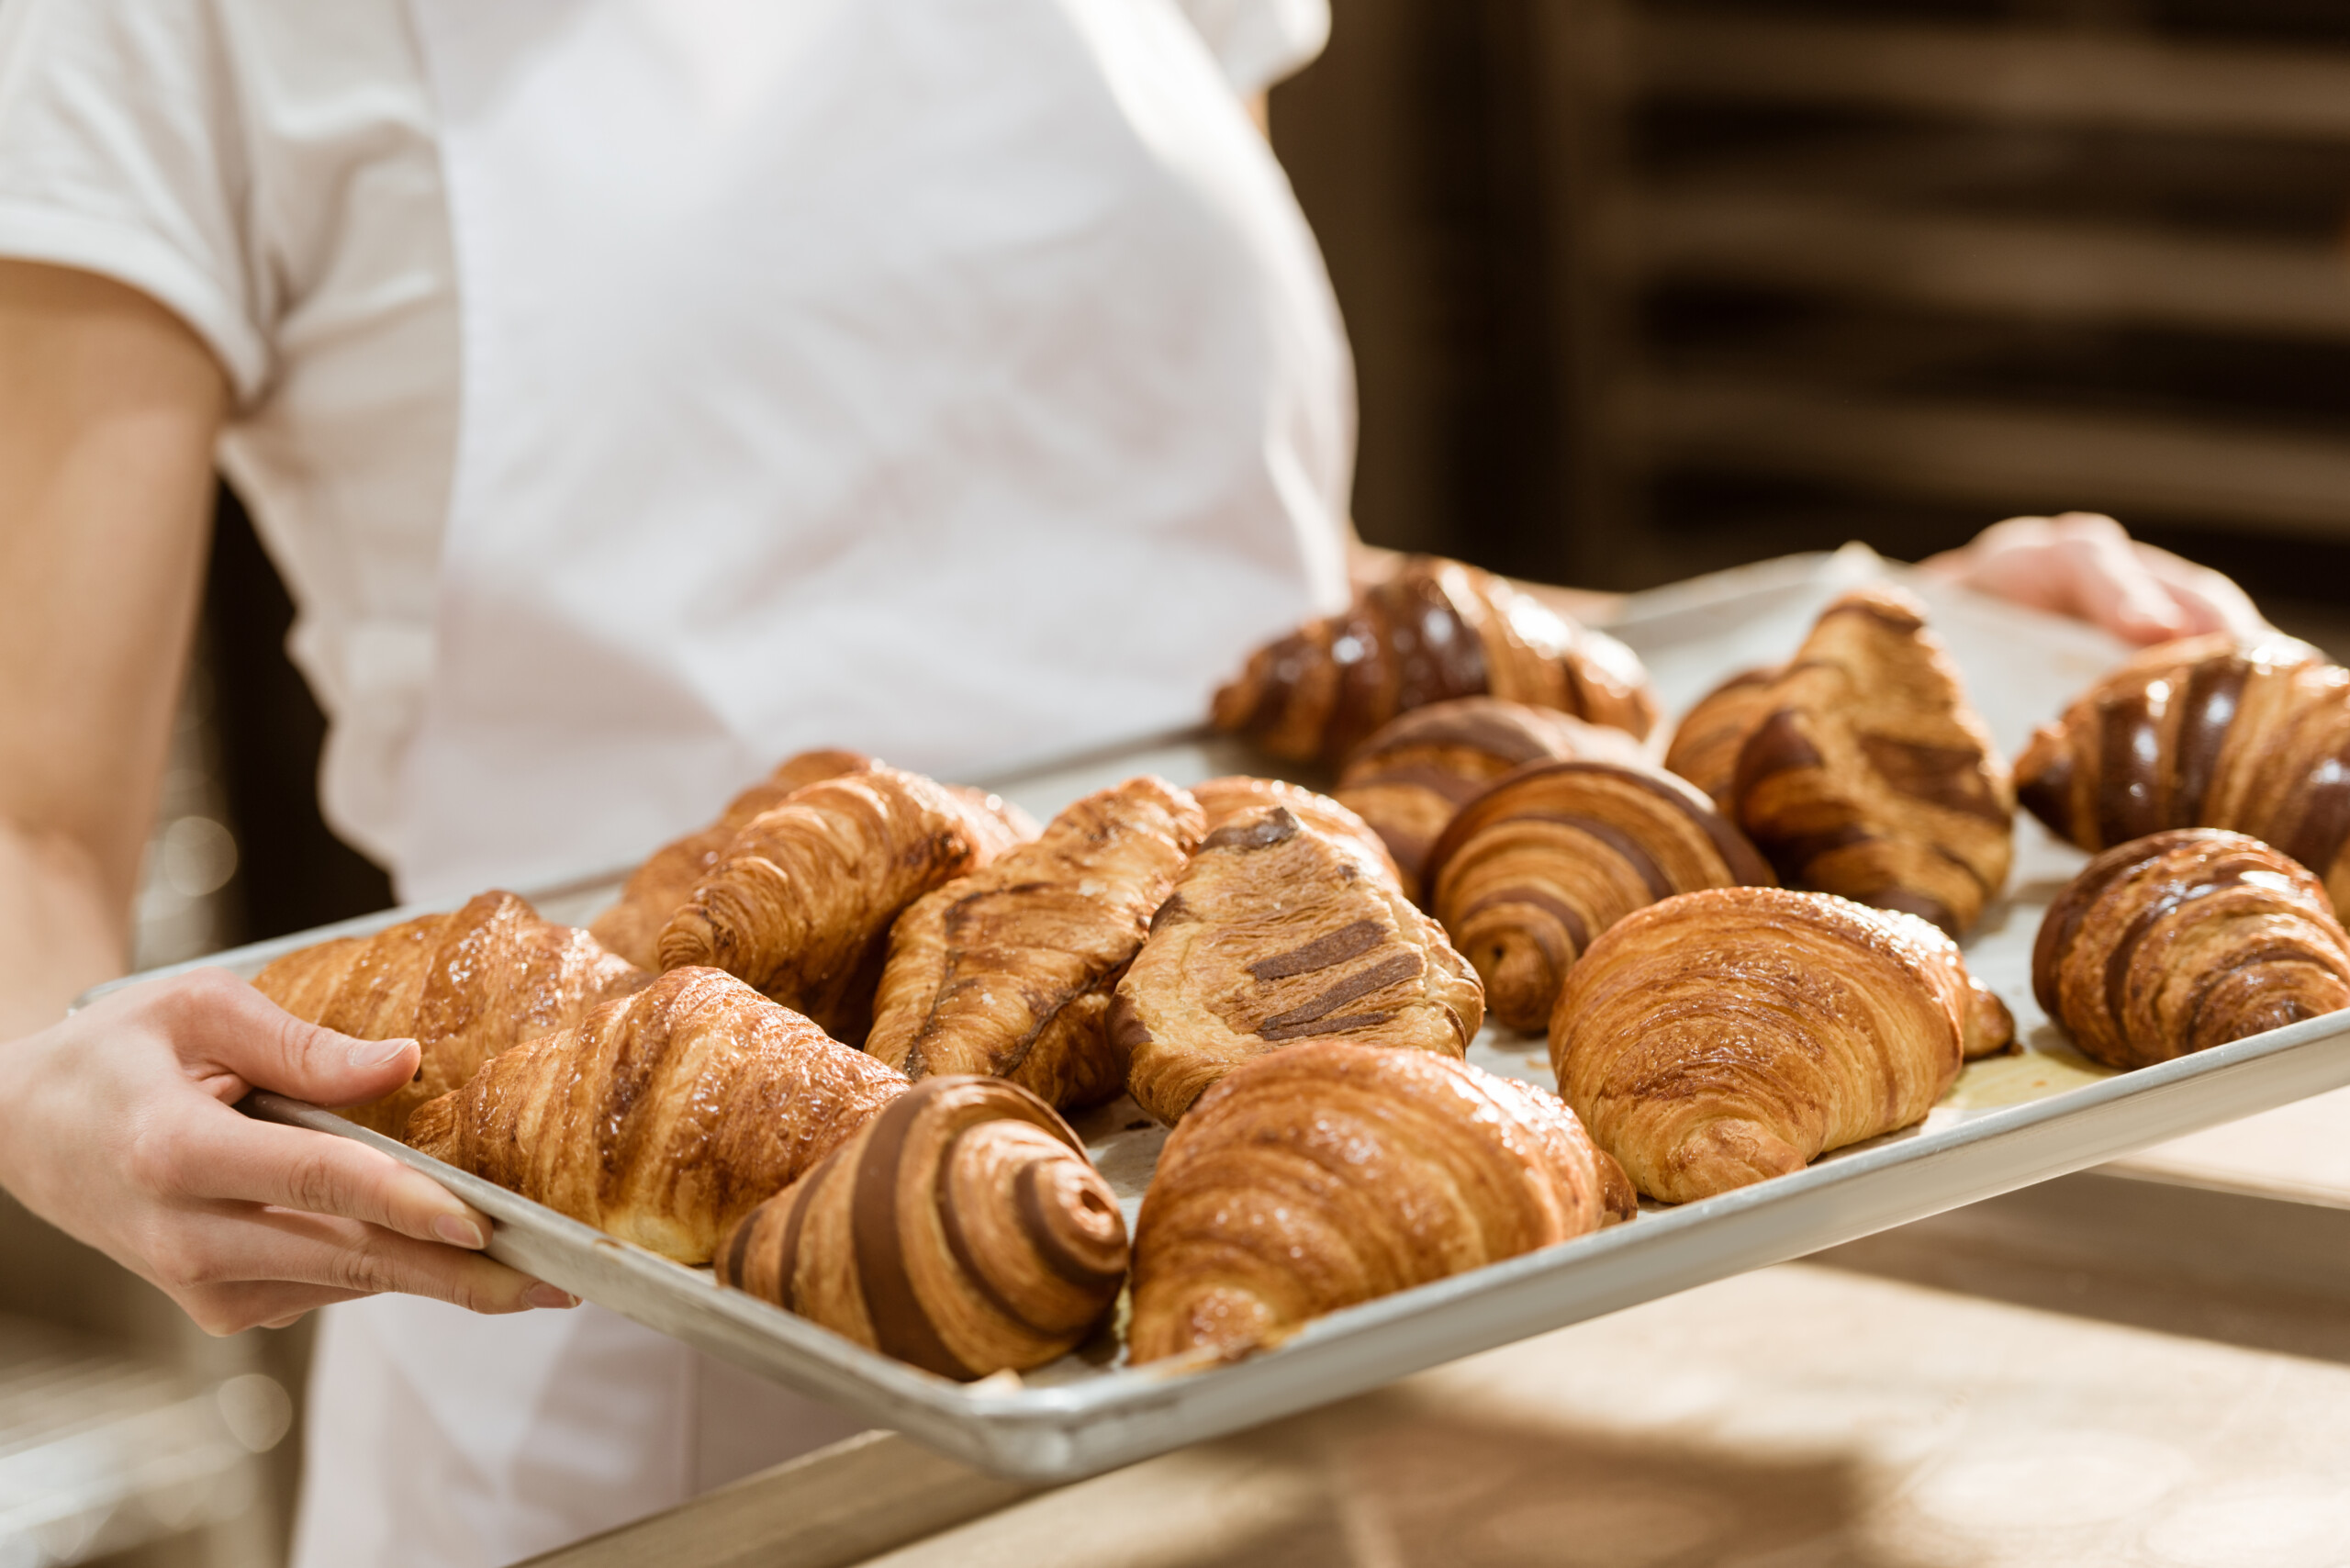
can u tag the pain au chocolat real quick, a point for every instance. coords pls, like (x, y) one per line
(962, 1230)
(1860, 769)
(464, 986)
(1430, 631)
(665, 882)
(1277, 933)
(1410, 778)
(663, 1117)
(1329, 1175)
(2184, 940)
(800, 903)
(1725, 1037)
(1238, 794)
(1008, 970)
(2207, 731)
(1536, 869)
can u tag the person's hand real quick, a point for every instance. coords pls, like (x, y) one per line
(2084, 565)
(118, 1125)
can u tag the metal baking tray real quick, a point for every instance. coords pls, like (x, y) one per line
(2009, 1122)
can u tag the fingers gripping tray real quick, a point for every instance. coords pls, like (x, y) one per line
(2008, 1121)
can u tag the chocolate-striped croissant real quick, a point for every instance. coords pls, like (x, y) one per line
(664, 1117)
(1722, 1037)
(665, 882)
(1277, 933)
(1433, 630)
(961, 1230)
(2184, 940)
(2206, 732)
(464, 986)
(1860, 769)
(1237, 794)
(801, 902)
(1329, 1175)
(1409, 779)
(1008, 970)
(1534, 870)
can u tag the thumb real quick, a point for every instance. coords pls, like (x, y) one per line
(231, 1029)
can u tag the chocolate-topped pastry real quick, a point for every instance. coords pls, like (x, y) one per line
(1859, 767)
(1431, 631)
(2184, 940)
(1276, 932)
(1238, 794)
(2205, 732)
(1534, 870)
(1408, 780)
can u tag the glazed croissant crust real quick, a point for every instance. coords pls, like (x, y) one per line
(1540, 865)
(1860, 769)
(666, 1117)
(1276, 934)
(2184, 940)
(666, 880)
(1432, 631)
(1408, 780)
(1329, 1175)
(800, 905)
(961, 1230)
(1008, 970)
(464, 986)
(1725, 1037)
(1237, 794)
(2206, 732)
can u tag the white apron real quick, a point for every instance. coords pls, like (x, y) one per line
(952, 379)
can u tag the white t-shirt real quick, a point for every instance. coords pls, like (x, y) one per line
(269, 169)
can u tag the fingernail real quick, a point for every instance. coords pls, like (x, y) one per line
(367, 1055)
(549, 1296)
(459, 1231)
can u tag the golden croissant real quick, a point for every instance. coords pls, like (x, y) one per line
(1860, 769)
(800, 904)
(1238, 794)
(1329, 1175)
(1534, 870)
(1410, 778)
(464, 986)
(1008, 970)
(2184, 940)
(664, 1116)
(962, 1230)
(666, 880)
(2206, 732)
(1724, 1036)
(1431, 631)
(1276, 932)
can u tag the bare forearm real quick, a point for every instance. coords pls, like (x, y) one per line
(62, 931)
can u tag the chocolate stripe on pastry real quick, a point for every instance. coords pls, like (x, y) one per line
(1344, 943)
(2184, 940)
(1534, 870)
(962, 1232)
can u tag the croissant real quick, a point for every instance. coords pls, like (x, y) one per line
(1008, 970)
(464, 986)
(961, 1230)
(1724, 1036)
(664, 1116)
(2184, 940)
(665, 882)
(1538, 866)
(1329, 1175)
(1432, 631)
(1859, 768)
(2206, 732)
(1238, 794)
(1409, 779)
(1276, 932)
(801, 902)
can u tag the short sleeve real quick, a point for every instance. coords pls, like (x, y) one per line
(1258, 42)
(120, 154)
